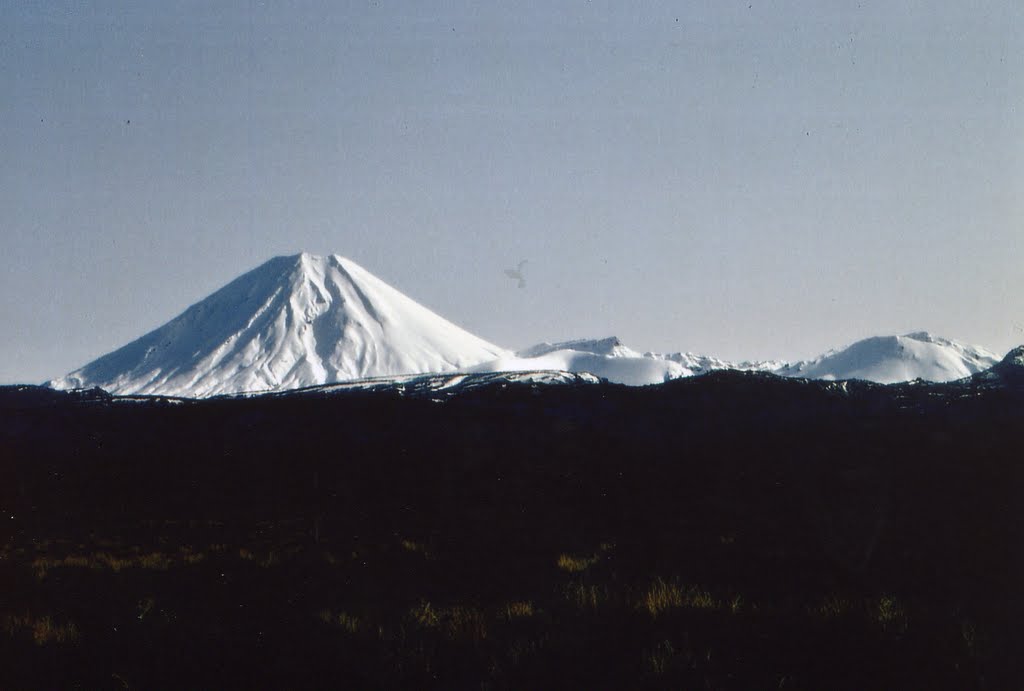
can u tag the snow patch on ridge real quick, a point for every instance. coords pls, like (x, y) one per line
(611, 347)
(607, 358)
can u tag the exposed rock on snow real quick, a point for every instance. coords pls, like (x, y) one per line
(1009, 370)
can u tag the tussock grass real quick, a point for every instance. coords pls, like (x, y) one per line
(103, 560)
(193, 558)
(458, 622)
(889, 613)
(270, 559)
(518, 610)
(156, 560)
(522, 649)
(885, 610)
(43, 630)
(425, 615)
(574, 563)
(416, 548)
(342, 620)
(586, 596)
(663, 595)
(657, 660)
(833, 607)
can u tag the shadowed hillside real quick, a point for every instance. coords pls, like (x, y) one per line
(731, 531)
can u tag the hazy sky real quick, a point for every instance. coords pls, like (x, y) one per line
(744, 179)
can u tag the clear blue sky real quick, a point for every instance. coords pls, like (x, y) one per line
(745, 179)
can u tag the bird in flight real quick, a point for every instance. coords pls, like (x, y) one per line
(516, 274)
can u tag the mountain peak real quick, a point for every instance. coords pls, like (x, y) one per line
(1014, 358)
(923, 336)
(1011, 367)
(294, 321)
(610, 346)
(890, 359)
(304, 263)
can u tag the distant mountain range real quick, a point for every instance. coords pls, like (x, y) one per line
(304, 320)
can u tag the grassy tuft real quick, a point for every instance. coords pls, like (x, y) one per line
(586, 596)
(664, 595)
(425, 615)
(47, 630)
(656, 662)
(519, 610)
(103, 560)
(890, 614)
(833, 607)
(575, 563)
(44, 630)
(458, 622)
(416, 548)
(342, 620)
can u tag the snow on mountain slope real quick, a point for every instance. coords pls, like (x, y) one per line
(890, 359)
(697, 364)
(607, 358)
(884, 359)
(611, 347)
(441, 386)
(1012, 362)
(292, 322)
(635, 371)
(1008, 371)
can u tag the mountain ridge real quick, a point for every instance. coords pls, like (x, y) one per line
(891, 359)
(879, 359)
(304, 320)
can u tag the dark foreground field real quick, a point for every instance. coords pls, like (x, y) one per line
(728, 532)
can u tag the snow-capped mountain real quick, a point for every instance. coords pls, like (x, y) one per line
(607, 358)
(611, 347)
(305, 320)
(890, 359)
(883, 359)
(292, 322)
(1008, 371)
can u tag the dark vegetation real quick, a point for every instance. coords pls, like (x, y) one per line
(732, 531)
